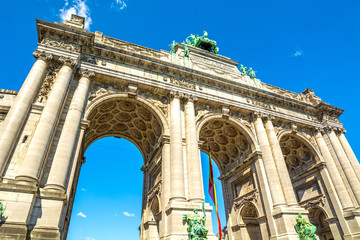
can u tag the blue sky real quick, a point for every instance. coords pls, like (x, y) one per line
(291, 44)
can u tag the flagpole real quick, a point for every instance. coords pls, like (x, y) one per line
(212, 192)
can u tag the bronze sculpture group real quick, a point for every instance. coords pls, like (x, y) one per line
(196, 225)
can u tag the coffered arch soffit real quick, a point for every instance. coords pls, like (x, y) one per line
(229, 140)
(129, 118)
(299, 153)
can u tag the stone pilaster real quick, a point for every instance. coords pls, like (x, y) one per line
(280, 163)
(349, 152)
(270, 167)
(177, 189)
(62, 158)
(18, 112)
(41, 139)
(345, 164)
(165, 171)
(195, 183)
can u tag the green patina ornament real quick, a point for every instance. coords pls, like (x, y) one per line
(2, 210)
(252, 73)
(173, 46)
(304, 229)
(202, 42)
(186, 51)
(196, 225)
(243, 70)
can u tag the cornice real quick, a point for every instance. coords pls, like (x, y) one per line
(94, 45)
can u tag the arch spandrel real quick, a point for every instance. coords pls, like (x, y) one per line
(130, 118)
(229, 139)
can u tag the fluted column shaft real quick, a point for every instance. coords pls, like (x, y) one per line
(334, 173)
(177, 191)
(269, 163)
(62, 158)
(18, 112)
(350, 154)
(195, 184)
(280, 163)
(345, 164)
(40, 141)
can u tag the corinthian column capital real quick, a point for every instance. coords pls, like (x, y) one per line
(189, 98)
(42, 55)
(67, 61)
(175, 94)
(86, 73)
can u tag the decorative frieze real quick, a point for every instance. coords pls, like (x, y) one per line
(180, 82)
(61, 44)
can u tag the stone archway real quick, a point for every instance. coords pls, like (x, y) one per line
(136, 121)
(307, 176)
(233, 150)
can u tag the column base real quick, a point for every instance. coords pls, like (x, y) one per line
(26, 180)
(45, 233)
(13, 230)
(285, 220)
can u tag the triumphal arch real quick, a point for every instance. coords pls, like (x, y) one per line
(279, 153)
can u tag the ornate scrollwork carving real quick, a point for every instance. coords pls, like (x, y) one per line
(60, 44)
(42, 55)
(180, 82)
(189, 98)
(175, 94)
(155, 191)
(48, 83)
(314, 202)
(245, 199)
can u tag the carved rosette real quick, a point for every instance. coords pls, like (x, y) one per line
(42, 55)
(67, 61)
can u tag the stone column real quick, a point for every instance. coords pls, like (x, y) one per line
(334, 173)
(269, 163)
(345, 164)
(280, 164)
(177, 190)
(349, 152)
(195, 183)
(44, 130)
(18, 112)
(64, 150)
(165, 172)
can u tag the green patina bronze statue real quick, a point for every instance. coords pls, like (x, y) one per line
(173, 46)
(186, 51)
(252, 73)
(304, 229)
(2, 210)
(202, 42)
(196, 225)
(243, 70)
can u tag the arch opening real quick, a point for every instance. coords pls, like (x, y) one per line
(109, 190)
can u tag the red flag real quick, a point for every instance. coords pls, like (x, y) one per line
(212, 192)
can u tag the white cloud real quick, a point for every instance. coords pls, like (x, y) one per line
(89, 238)
(77, 7)
(119, 4)
(80, 214)
(129, 214)
(297, 53)
(83, 189)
